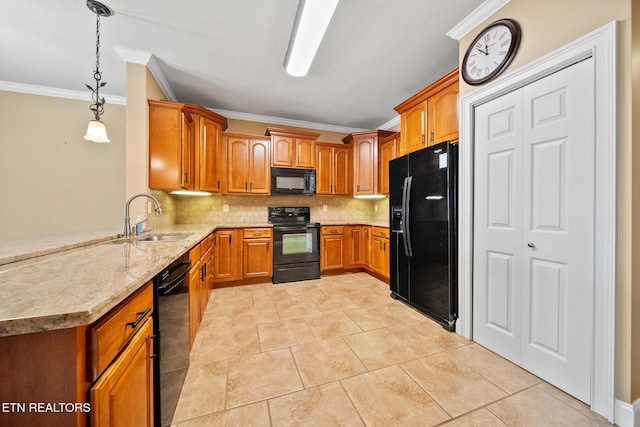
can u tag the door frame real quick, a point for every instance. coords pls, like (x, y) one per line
(600, 44)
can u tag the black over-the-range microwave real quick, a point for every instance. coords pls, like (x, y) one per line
(293, 181)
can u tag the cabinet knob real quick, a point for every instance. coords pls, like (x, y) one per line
(531, 245)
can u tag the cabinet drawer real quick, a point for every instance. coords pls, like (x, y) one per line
(380, 232)
(332, 229)
(256, 233)
(195, 253)
(206, 244)
(111, 333)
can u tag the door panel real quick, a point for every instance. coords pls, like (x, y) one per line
(500, 284)
(497, 226)
(558, 218)
(534, 196)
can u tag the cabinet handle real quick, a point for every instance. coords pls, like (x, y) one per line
(141, 315)
(186, 177)
(203, 272)
(214, 240)
(246, 186)
(251, 186)
(431, 136)
(218, 184)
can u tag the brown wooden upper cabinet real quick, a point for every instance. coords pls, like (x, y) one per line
(292, 148)
(332, 169)
(389, 149)
(248, 164)
(185, 151)
(365, 160)
(430, 116)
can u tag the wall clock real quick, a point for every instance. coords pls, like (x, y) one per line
(491, 51)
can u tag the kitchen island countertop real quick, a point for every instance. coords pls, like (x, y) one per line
(83, 281)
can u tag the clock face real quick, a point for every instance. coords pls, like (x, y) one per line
(491, 52)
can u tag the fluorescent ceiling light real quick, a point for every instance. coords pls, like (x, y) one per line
(312, 21)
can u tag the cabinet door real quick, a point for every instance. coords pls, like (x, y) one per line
(413, 123)
(238, 159)
(386, 258)
(365, 165)
(341, 171)
(387, 153)
(377, 255)
(259, 169)
(210, 162)
(188, 163)
(228, 262)
(168, 145)
(324, 169)
(355, 250)
(257, 258)
(282, 151)
(203, 293)
(123, 396)
(366, 246)
(443, 115)
(305, 153)
(194, 285)
(332, 252)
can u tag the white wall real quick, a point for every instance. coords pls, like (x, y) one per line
(51, 179)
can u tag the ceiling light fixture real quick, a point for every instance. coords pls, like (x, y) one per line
(311, 23)
(96, 131)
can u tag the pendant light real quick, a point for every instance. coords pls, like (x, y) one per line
(96, 131)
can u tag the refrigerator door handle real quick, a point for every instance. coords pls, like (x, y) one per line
(405, 207)
(403, 219)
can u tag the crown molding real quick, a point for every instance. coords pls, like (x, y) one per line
(58, 93)
(393, 123)
(286, 122)
(149, 60)
(475, 18)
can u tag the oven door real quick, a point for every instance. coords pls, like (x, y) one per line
(296, 243)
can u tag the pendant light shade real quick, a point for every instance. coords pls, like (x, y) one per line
(96, 132)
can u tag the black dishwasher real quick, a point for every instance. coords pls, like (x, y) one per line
(171, 327)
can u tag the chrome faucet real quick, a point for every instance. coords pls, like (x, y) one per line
(126, 225)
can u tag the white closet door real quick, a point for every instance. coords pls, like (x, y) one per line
(559, 209)
(534, 227)
(498, 225)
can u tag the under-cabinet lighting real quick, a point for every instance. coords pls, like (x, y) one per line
(312, 20)
(191, 193)
(434, 197)
(370, 196)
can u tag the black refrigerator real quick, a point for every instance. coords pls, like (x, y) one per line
(424, 239)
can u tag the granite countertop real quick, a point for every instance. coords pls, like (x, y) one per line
(77, 286)
(73, 279)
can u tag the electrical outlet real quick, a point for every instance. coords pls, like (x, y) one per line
(225, 208)
(324, 208)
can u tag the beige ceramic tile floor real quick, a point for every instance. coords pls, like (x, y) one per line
(340, 352)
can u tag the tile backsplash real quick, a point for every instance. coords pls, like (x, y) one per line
(252, 210)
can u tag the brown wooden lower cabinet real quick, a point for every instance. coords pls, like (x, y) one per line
(228, 253)
(257, 253)
(331, 248)
(356, 246)
(123, 396)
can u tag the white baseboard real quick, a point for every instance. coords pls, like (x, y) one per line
(627, 414)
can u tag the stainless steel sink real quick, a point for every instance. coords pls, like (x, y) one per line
(164, 237)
